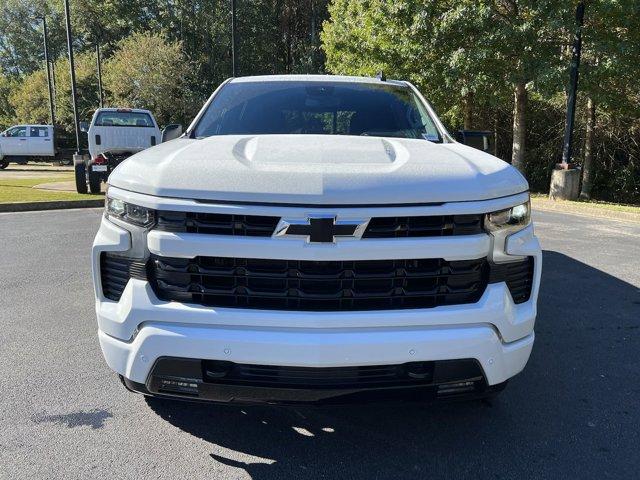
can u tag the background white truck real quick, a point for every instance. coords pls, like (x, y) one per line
(21, 143)
(113, 135)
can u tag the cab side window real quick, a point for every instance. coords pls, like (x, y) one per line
(41, 132)
(17, 132)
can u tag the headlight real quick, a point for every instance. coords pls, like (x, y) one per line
(512, 219)
(129, 213)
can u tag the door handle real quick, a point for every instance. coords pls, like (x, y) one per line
(47, 139)
(23, 139)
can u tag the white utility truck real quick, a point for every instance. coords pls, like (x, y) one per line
(22, 143)
(316, 239)
(113, 135)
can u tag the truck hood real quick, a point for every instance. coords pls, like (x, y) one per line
(317, 170)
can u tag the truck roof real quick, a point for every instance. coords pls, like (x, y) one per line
(313, 78)
(122, 109)
(29, 125)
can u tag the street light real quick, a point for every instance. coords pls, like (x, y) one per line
(567, 149)
(99, 62)
(72, 69)
(565, 180)
(46, 59)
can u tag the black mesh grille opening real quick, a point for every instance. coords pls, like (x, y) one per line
(262, 226)
(229, 373)
(217, 223)
(431, 226)
(518, 277)
(318, 286)
(115, 272)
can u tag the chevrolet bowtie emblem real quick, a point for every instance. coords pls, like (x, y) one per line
(321, 229)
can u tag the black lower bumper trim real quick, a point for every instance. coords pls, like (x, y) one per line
(199, 380)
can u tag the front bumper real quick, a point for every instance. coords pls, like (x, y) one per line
(191, 379)
(308, 348)
(139, 329)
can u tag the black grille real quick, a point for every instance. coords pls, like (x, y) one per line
(337, 377)
(217, 223)
(262, 226)
(431, 226)
(318, 286)
(517, 275)
(115, 272)
(309, 285)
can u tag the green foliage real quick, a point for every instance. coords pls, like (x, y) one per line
(148, 72)
(275, 36)
(21, 40)
(7, 113)
(465, 55)
(610, 65)
(450, 49)
(30, 98)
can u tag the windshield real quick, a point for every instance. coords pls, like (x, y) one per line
(327, 108)
(123, 119)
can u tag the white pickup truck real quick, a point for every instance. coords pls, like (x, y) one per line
(113, 135)
(311, 239)
(21, 143)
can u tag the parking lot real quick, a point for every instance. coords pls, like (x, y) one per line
(573, 413)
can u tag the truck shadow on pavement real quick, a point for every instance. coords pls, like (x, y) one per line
(572, 413)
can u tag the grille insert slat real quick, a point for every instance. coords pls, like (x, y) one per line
(217, 224)
(424, 226)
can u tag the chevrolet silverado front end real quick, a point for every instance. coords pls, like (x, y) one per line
(316, 238)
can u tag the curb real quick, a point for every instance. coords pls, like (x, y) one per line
(54, 205)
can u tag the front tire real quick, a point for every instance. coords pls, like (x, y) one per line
(94, 183)
(4, 164)
(81, 178)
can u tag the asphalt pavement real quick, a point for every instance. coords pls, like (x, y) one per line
(573, 413)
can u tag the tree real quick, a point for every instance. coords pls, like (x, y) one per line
(406, 40)
(147, 71)
(30, 98)
(521, 42)
(7, 113)
(21, 42)
(610, 69)
(462, 50)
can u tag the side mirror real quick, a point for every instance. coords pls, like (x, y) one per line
(482, 140)
(171, 132)
(84, 127)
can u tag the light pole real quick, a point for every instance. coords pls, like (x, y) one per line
(73, 75)
(99, 62)
(46, 59)
(567, 149)
(234, 44)
(565, 180)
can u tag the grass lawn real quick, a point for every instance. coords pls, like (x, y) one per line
(617, 207)
(592, 208)
(14, 190)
